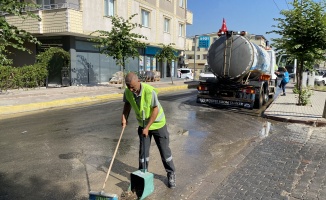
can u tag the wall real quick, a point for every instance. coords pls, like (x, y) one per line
(21, 58)
(54, 21)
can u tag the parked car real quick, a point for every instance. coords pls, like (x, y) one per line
(320, 79)
(185, 73)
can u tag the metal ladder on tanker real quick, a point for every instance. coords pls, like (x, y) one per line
(227, 55)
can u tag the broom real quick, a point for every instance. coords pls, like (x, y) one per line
(93, 195)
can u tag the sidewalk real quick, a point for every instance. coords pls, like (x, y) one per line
(283, 108)
(20, 101)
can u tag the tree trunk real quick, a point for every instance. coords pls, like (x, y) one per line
(300, 71)
(170, 71)
(123, 73)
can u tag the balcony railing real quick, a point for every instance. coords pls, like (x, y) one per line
(59, 5)
(50, 7)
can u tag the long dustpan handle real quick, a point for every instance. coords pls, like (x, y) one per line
(143, 138)
(115, 152)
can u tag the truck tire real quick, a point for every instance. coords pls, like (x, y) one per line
(259, 100)
(265, 98)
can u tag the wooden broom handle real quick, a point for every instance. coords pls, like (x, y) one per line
(115, 152)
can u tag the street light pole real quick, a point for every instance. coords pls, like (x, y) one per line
(194, 78)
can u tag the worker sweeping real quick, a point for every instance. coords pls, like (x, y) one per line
(143, 97)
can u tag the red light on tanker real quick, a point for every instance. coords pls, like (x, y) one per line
(201, 88)
(249, 91)
(223, 29)
(265, 77)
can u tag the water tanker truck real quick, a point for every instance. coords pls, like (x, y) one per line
(244, 73)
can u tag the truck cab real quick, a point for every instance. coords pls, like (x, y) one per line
(207, 74)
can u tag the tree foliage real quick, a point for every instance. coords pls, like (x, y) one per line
(302, 32)
(120, 43)
(54, 59)
(30, 76)
(167, 53)
(10, 35)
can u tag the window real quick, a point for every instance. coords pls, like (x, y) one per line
(166, 25)
(45, 4)
(181, 3)
(108, 7)
(145, 18)
(198, 57)
(205, 56)
(180, 29)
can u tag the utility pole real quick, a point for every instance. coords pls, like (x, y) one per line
(194, 78)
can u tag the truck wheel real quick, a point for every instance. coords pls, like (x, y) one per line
(265, 98)
(259, 101)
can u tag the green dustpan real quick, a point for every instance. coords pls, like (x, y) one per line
(141, 181)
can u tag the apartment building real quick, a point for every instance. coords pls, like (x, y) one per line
(196, 57)
(69, 23)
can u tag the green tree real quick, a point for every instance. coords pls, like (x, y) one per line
(167, 54)
(10, 35)
(120, 43)
(54, 59)
(302, 32)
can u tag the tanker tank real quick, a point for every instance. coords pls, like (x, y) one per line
(235, 56)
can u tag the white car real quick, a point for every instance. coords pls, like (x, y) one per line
(320, 79)
(185, 73)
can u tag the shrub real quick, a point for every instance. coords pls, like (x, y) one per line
(30, 76)
(54, 59)
(303, 95)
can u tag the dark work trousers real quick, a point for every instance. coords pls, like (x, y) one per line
(161, 137)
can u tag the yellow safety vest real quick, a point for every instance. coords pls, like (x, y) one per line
(145, 104)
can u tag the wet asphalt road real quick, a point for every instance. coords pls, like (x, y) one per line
(63, 154)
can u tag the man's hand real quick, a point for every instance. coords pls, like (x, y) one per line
(123, 122)
(125, 114)
(145, 132)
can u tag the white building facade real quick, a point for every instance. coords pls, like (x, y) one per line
(69, 23)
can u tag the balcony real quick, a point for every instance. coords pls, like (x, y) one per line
(64, 18)
(189, 17)
(60, 5)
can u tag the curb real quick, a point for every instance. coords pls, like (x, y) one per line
(4, 110)
(314, 123)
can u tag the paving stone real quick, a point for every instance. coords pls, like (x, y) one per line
(310, 195)
(322, 194)
(289, 164)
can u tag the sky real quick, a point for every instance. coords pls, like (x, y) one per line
(253, 16)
